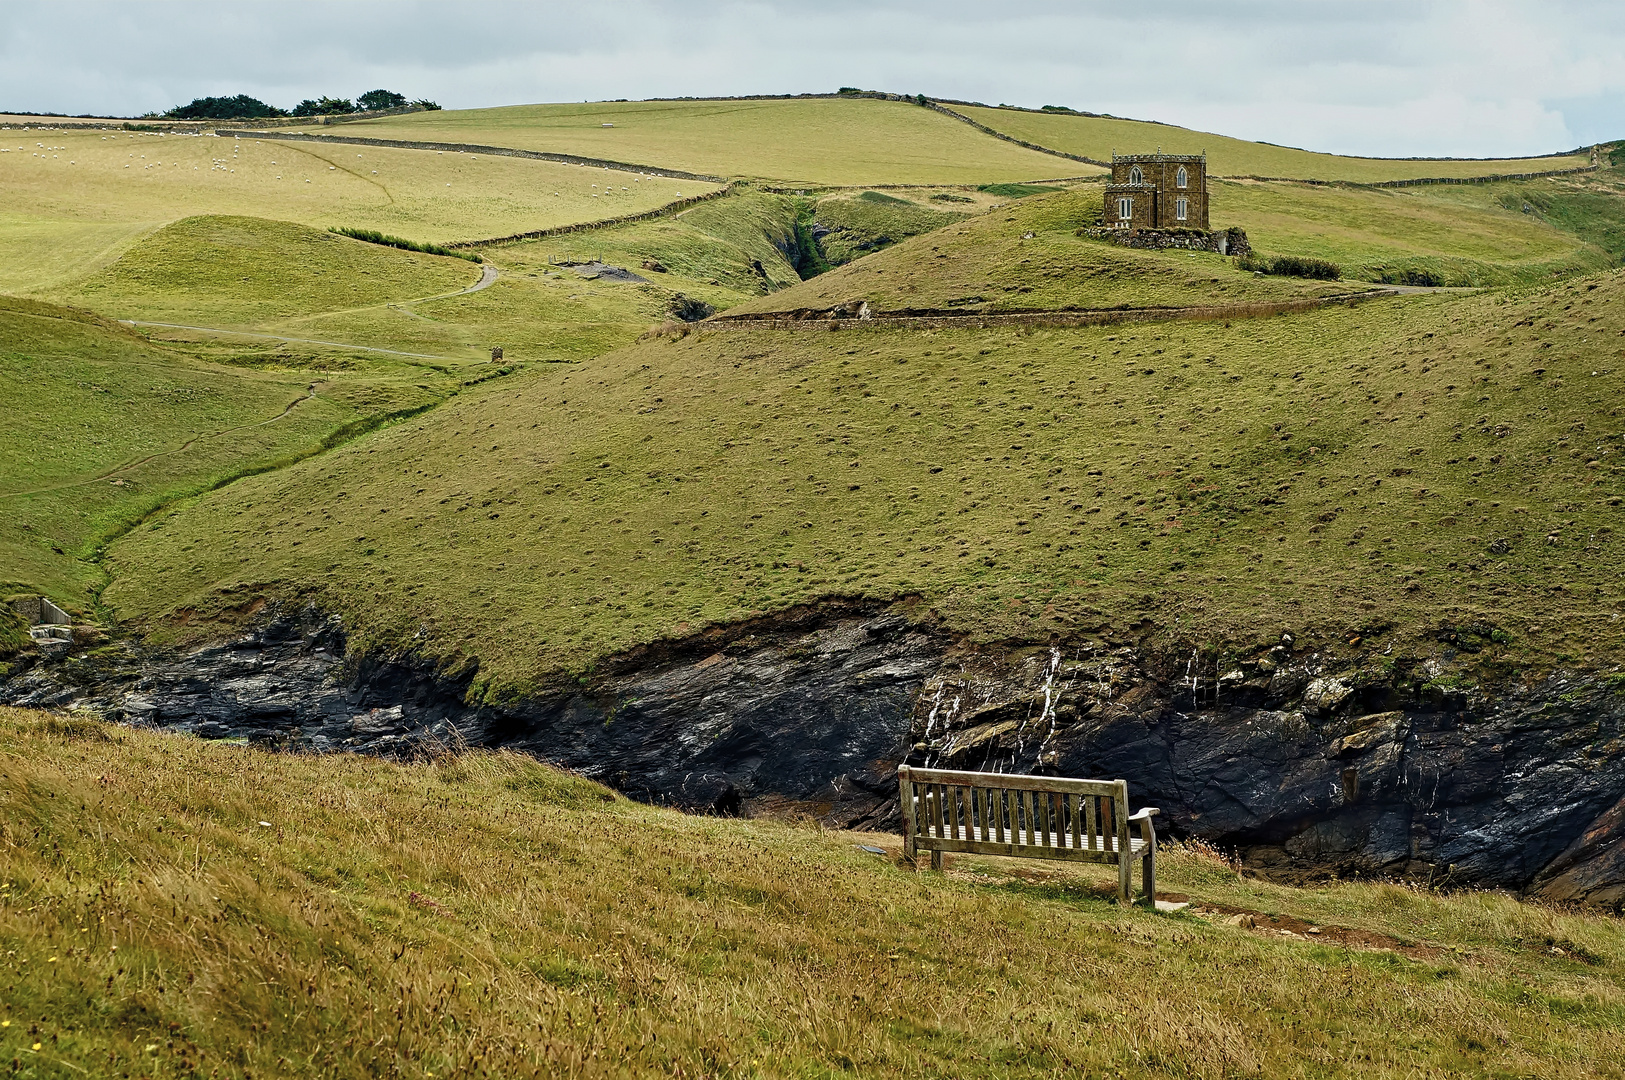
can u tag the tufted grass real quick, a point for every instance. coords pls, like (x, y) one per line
(1405, 463)
(171, 908)
(1098, 137)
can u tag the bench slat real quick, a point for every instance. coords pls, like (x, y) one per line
(1014, 781)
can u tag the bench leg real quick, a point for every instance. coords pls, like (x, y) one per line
(936, 860)
(1125, 879)
(1148, 878)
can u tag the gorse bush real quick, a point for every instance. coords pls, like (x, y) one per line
(1290, 266)
(373, 237)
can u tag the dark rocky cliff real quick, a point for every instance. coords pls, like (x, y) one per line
(1303, 763)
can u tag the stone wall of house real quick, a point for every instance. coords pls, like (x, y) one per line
(1230, 241)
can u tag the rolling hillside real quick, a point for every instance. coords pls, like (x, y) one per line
(1388, 462)
(76, 200)
(812, 141)
(1097, 137)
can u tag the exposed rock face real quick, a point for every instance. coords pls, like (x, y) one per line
(1304, 764)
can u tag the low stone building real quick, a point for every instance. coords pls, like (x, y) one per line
(1157, 191)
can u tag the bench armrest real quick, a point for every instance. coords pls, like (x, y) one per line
(1144, 812)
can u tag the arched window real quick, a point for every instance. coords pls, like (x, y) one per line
(1182, 179)
(1135, 176)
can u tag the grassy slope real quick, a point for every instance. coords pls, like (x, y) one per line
(983, 264)
(103, 426)
(815, 142)
(71, 203)
(1338, 469)
(541, 310)
(1099, 137)
(239, 271)
(172, 908)
(871, 220)
(1467, 235)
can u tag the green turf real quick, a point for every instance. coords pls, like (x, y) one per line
(1404, 461)
(852, 141)
(103, 427)
(984, 264)
(1100, 137)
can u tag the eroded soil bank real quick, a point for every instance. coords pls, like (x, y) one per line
(1304, 764)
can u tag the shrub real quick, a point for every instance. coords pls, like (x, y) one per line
(374, 100)
(1290, 266)
(882, 197)
(849, 90)
(324, 106)
(372, 237)
(943, 196)
(1410, 275)
(237, 107)
(426, 105)
(1016, 191)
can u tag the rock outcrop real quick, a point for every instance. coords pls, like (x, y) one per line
(1303, 763)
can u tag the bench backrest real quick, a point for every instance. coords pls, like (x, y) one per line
(1012, 808)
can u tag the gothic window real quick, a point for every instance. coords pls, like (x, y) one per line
(1135, 176)
(1181, 179)
(1181, 207)
(1125, 209)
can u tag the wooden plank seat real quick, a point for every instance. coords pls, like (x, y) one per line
(1031, 817)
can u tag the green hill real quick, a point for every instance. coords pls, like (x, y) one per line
(170, 908)
(1406, 460)
(1098, 137)
(229, 271)
(1028, 256)
(804, 141)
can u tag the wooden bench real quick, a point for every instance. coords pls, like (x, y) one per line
(1032, 817)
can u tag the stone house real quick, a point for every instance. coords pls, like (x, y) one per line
(1157, 191)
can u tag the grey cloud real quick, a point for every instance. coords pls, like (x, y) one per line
(1472, 78)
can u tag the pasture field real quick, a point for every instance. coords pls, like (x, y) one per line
(1396, 463)
(1465, 235)
(75, 200)
(986, 264)
(103, 427)
(171, 907)
(813, 142)
(1098, 137)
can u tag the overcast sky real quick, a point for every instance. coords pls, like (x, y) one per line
(1356, 76)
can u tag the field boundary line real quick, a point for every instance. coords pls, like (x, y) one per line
(984, 129)
(928, 320)
(473, 148)
(603, 223)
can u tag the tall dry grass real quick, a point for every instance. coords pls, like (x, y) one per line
(173, 908)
